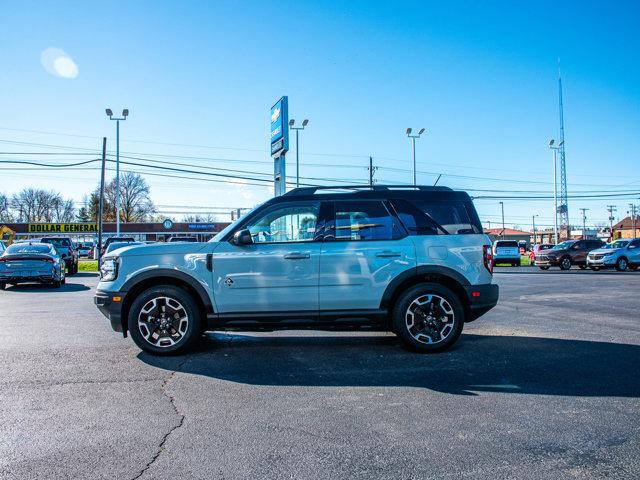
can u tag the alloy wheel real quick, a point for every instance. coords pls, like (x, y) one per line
(163, 321)
(430, 319)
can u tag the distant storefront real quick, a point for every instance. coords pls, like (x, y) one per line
(140, 231)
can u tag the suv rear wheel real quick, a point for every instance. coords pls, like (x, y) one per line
(428, 317)
(164, 320)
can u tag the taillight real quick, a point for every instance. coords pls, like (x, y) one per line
(487, 257)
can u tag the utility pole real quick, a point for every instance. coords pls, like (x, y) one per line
(372, 170)
(611, 209)
(584, 222)
(633, 217)
(101, 201)
(413, 144)
(502, 207)
(533, 221)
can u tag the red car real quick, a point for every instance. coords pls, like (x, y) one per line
(536, 248)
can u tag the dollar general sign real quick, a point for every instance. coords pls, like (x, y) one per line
(63, 228)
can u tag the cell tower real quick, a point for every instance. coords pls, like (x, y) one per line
(563, 207)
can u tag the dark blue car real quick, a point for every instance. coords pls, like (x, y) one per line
(31, 262)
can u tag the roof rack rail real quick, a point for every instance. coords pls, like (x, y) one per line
(296, 192)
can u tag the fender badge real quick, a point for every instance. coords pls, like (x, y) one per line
(228, 281)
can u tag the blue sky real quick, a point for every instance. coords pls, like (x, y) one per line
(480, 78)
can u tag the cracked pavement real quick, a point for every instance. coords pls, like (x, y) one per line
(546, 386)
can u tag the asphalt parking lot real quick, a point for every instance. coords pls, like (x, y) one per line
(545, 386)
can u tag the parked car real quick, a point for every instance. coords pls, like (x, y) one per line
(183, 239)
(414, 261)
(110, 240)
(537, 248)
(31, 262)
(67, 250)
(621, 254)
(566, 254)
(506, 251)
(85, 250)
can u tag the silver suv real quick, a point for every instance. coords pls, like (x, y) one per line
(414, 261)
(621, 254)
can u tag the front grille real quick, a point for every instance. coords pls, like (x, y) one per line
(596, 257)
(542, 258)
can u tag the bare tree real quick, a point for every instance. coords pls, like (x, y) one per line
(135, 202)
(5, 213)
(199, 218)
(38, 205)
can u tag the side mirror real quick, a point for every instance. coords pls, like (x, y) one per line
(242, 237)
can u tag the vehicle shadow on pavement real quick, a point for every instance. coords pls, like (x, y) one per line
(42, 288)
(477, 363)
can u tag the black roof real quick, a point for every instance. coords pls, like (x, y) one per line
(346, 192)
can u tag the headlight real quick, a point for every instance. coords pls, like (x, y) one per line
(109, 269)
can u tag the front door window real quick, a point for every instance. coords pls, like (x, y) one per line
(286, 224)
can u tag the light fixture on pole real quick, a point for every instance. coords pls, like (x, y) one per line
(555, 149)
(292, 122)
(125, 114)
(413, 145)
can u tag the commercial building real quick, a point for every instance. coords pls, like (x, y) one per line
(139, 231)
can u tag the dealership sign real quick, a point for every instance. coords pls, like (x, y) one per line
(63, 228)
(280, 127)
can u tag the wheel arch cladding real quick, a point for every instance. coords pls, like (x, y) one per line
(138, 284)
(445, 276)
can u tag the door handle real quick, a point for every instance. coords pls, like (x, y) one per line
(297, 256)
(387, 254)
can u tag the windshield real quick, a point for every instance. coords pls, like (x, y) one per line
(617, 244)
(115, 245)
(563, 245)
(21, 249)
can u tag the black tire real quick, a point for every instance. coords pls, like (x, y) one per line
(544, 268)
(565, 263)
(3, 286)
(56, 284)
(455, 315)
(582, 267)
(622, 264)
(187, 338)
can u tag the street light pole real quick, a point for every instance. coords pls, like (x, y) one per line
(292, 122)
(533, 220)
(413, 145)
(125, 114)
(502, 207)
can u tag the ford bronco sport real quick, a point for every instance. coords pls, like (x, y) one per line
(414, 261)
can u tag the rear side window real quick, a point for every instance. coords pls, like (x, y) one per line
(363, 220)
(437, 218)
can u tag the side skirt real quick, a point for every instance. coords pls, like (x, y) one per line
(336, 320)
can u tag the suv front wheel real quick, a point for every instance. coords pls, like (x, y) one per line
(164, 320)
(428, 317)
